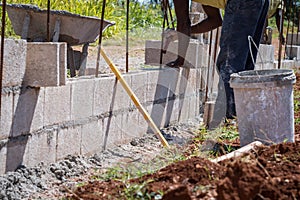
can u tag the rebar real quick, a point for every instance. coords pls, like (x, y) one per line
(127, 34)
(100, 38)
(280, 33)
(48, 21)
(162, 34)
(2, 50)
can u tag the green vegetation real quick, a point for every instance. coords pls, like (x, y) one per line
(141, 16)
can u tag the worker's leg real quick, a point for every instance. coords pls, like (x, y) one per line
(240, 21)
(184, 30)
(250, 64)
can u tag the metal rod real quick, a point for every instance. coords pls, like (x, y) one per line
(281, 32)
(162, 37)
(165, 7)
(293, 18)
(2, 50)
(135, 100)
(209, 57)
(48, 21)
(170, 13)
(127, 34)
(288, 27)
(298, 26)
(100, 37)
(215, 57)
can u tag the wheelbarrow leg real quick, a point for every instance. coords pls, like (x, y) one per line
(71, 61)
(83, 59)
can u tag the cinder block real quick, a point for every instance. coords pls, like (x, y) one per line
(103, 94)
(63, 63)
(44, 64)
(57, 107)
(293, 38)
(293, 52)
(41, 147)
(17, 150)
(152, 80)
(14, 62)
(28, 111)
(193, 108)
(92, 137)
(68, 142)
(131, 126)
(152, 53)
(162, 85)
(122, 99)
(6, 115)
(3, 153)
(285, 64)
(82, 98)
(158, 114)
(202, 61)
(112, 131)
(139, 86)
(171, 113)
(265, 54)
(183, 109)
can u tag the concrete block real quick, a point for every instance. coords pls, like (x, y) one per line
(63, 63)
(285, 64)
(41, 147)
(265, 54)
(162, 84)
(183, 109)
(139, 86)
(68, 142)
(122, 99)
(202, 61)
(171, 112)
(152, 53)
(112, 130)
(193, 107)
(14, 62)
(44, 64)
(92, 136)
(28, 111)
(293, 52)
(103, 95)
(152, 80)
(82, 98)
(57, 104)
(6, 115)
(3, 153)
(293, 39)
(131, 126)
(17, 153)
(158, 114)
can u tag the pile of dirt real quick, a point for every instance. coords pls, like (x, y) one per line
(270, 172)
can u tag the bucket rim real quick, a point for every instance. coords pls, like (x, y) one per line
(258, 73)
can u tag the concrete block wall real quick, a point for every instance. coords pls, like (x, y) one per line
(83, 115)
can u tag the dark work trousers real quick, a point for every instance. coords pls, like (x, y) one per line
(243, 18)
